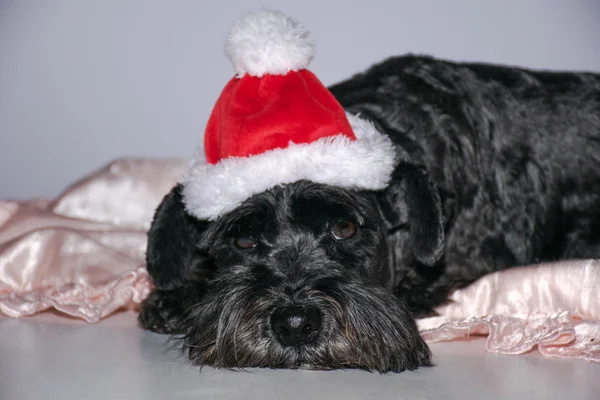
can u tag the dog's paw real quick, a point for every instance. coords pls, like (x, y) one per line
(160, 312)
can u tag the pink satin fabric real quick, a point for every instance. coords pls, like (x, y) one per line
(82, 254)
(553, 307)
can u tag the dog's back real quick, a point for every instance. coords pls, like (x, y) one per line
(514, 153)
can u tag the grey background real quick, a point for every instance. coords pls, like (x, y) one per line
(84, 82)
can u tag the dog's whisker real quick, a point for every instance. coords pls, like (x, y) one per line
(234, 338)
(192, 346)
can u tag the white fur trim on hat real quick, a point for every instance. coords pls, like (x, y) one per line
(268, 42)
(210, 190)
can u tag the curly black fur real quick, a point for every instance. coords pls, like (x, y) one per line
(498, 167)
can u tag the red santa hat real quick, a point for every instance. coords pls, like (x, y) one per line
(275, 123)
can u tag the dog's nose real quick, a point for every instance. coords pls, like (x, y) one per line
(296, 326)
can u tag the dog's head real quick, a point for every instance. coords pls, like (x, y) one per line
(300, 276)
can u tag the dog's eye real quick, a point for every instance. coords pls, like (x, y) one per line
(343, 230)
(245, 243)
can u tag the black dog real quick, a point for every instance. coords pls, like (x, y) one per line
(499, 167)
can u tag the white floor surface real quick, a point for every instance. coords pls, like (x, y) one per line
(51, 358)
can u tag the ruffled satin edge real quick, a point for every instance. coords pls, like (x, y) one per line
(560, 335)
(90, 303)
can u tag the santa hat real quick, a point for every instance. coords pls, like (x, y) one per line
(275, 123)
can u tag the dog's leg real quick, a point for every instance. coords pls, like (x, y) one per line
(165, 310)
(162, 311)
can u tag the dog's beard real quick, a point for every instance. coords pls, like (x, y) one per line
(363, 326)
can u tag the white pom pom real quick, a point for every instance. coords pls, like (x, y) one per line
(268, 42)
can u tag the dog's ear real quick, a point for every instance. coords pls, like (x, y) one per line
(412, 199)
(172, 242)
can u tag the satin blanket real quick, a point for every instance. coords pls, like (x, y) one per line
(82, 255)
